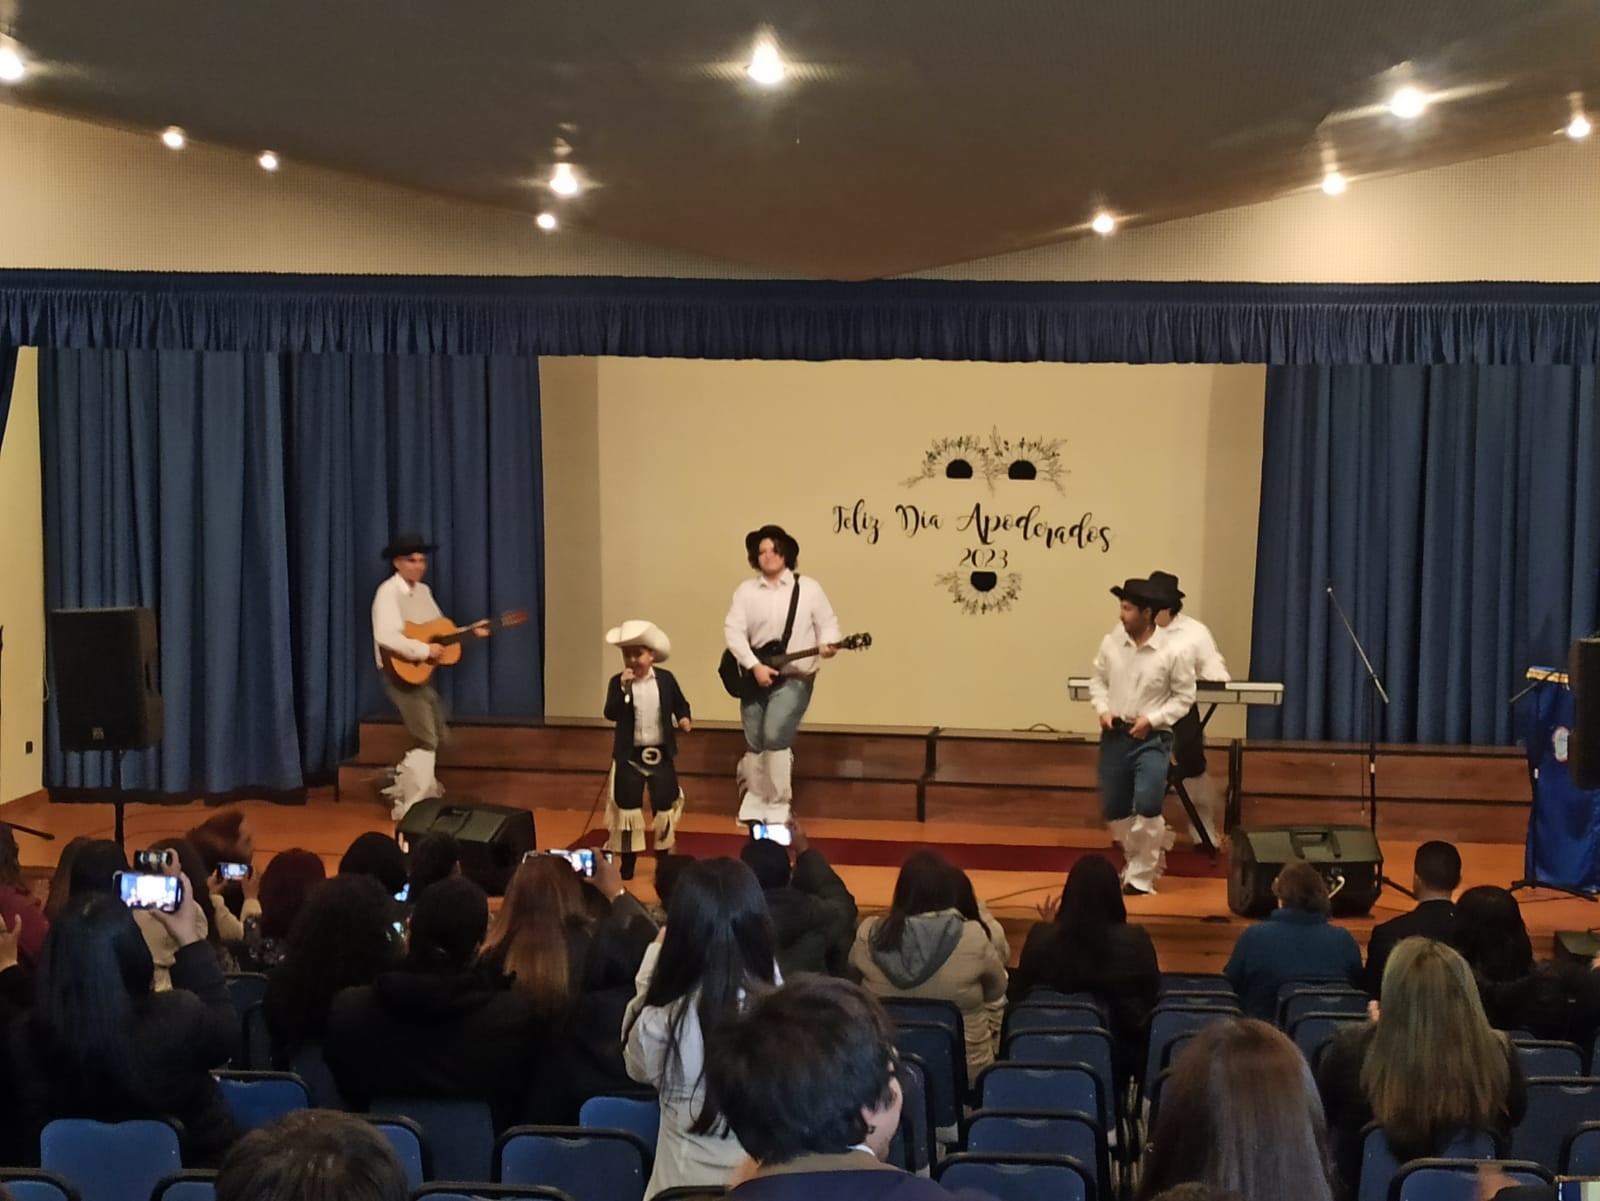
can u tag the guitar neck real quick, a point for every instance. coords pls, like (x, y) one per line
(791, 656)
(463, 635)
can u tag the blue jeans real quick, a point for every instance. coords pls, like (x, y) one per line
(1133, 773)
(772, 716)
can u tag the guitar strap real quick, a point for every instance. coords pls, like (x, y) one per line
(794, 607)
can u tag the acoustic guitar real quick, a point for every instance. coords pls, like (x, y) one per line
(739, 683)
(442, 632)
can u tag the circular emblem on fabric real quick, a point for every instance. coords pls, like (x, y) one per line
(1558, 743)
(651, 755)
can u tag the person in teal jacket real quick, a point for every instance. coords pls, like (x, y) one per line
(1297, 942)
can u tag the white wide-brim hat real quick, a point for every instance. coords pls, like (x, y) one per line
(641, 633)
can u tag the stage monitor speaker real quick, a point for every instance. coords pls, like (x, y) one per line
(108, 697)
(1347, 857)
(1583, 746)
(493, 838)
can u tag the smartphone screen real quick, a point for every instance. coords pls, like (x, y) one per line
(141, 890)
(404, 894)
(234, 871)
(777, 834)
(1578, 1190)
(151, 861)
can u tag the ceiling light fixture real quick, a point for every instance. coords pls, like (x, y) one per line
(1334, 183)
(173, 138)
(564, 180)
(1407, 103)
(13, 67)
(1103, 223)
(546, 221)
(1579, 127)
(766, 65)
(268, 160)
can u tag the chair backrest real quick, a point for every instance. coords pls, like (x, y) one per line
(690, 1192)
(1302, 1001)
(1313, 1031)
(1091, 1047)
(1067, 1015)
(1040, 1087)
(27, 1184)
(255, 1040)
(256, 1098)
(1192, 982)
(926, 1010)
(912, 1146)
(1557, 1105)
(1168, 1024)
(588, 1165)
(193, 1185)
(1580, 1153)
(1379, 1165)
(625, 1113)
(1546, 1057)
(110, 1161)
(410, 1146)
(945, 1062)
(454, 1190)
(1021, 1132)
(310, 1065)
(1040, 995)
(1456, 1179)
(460, 1133)
(246, 989)
(1018, 1177)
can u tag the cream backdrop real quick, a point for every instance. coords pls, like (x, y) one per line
(655, 469)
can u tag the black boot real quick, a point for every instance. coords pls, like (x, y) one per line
(628, 860)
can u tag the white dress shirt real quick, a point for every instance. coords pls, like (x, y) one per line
(646, 711)
(758, 612)
(1154, 681)
(1197, 643)
(395, 603)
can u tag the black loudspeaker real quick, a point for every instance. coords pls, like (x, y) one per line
(493, 838)
(108, 697)
(1583, 746)
(1347, 856)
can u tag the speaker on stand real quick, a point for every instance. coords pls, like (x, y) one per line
(1583, 747)
(106, 685)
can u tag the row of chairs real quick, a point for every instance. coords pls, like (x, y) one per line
(196, 1185)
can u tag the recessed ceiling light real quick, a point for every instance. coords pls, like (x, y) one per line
(268, 160)
(1103, 223)
(12, 65)
(1579, 127)
(173, 138)
(546, 221)
(564, 180)
(766, 65)
(1333, 183)
(1408, 102)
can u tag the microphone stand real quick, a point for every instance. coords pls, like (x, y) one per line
(1376, 694)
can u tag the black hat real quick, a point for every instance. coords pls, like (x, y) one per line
(781, 539)
(1167, 584)
(406, 544)
(1139, 592)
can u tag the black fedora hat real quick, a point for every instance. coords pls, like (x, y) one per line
(781, 538)
(1139, 592)
(406, 544)
(1166, 583)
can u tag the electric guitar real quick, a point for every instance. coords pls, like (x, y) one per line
(738, 682)
(442, 632)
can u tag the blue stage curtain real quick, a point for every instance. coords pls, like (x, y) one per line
(1456, 511)
(8, 376)
(245, 498)
(1132, 322)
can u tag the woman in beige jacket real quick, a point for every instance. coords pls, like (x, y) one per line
(937, 943)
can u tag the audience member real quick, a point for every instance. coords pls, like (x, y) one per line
(813, 913)
(18, 907)
(1091, 947)
(1297, 942)
(1428, 1067)
(433, 857)
(102, 1043)
(61, 882)
(669, 868)
(434, 1026)
(95, 866)
(379, 856)
(196, 882)
(1435, 876)
(1240, 1114)
(935, 942)
(344, 936)
(716, 951)
(284, 885)
(312, 1155)
(226, 837)
(806, 1078)
(1548, 1000)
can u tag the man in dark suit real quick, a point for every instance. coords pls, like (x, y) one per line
(1436, 875)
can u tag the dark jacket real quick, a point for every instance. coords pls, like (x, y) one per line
(414, 1033)
(176, 1039)
(852, 1176)
(813, 918)
(674, 708)
(1554, 1000)
(1123, 976)
(1430, 919)
(1348, 1112)
(1292, 944)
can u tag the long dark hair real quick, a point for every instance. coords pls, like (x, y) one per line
(928, 882)
(1091, 905)
(1491, 935)
(95, 964)
(719, 946)
(10, 860)
(196, 879)
(61, 882)
(217, 839)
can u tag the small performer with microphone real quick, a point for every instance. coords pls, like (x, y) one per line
(648, 708)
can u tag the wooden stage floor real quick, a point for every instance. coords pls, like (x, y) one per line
(1189, 918)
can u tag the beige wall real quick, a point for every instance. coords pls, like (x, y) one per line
(693, 454)
(21, 590)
